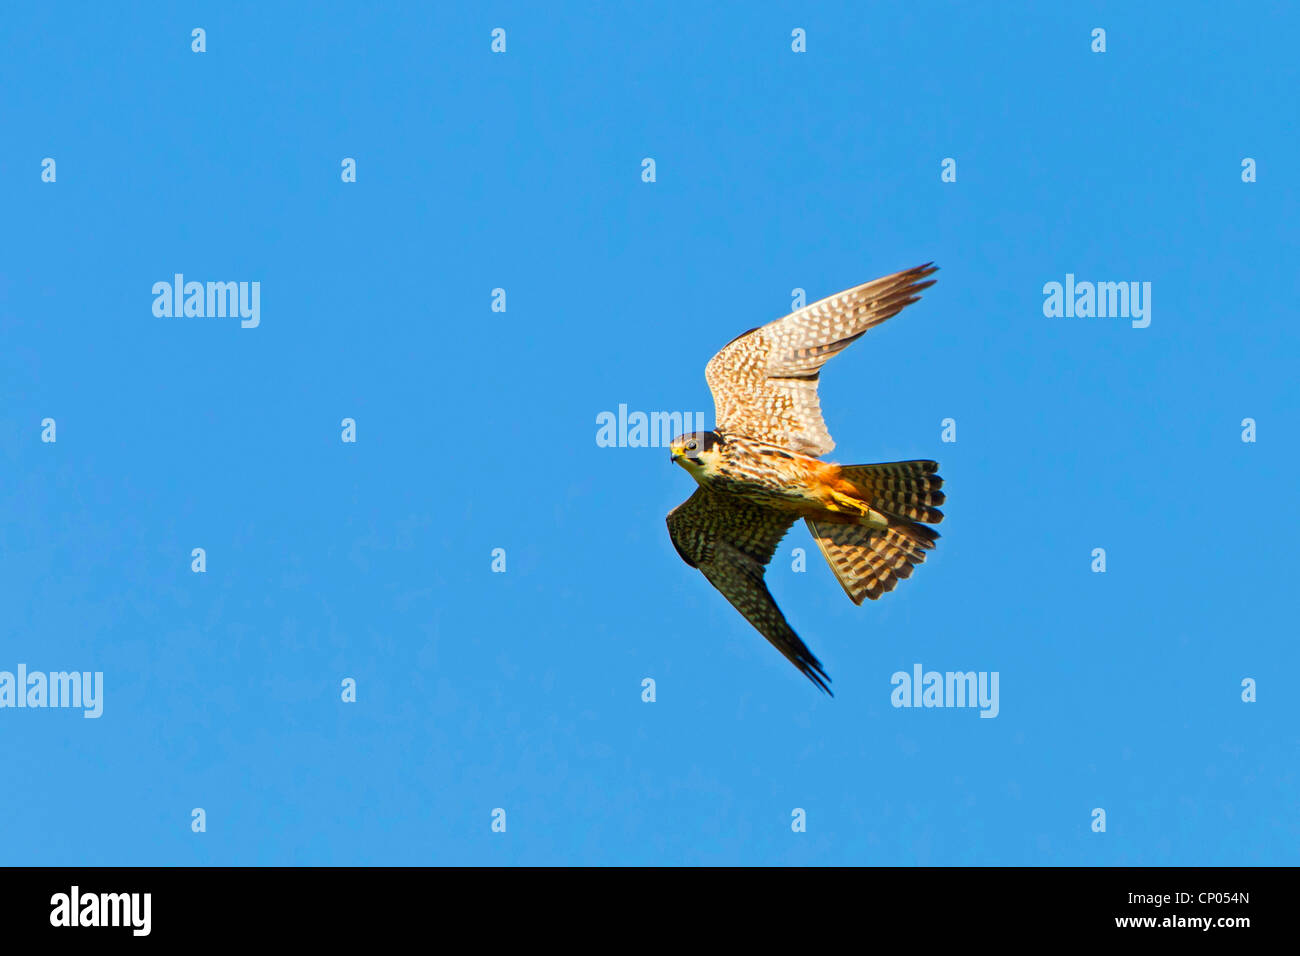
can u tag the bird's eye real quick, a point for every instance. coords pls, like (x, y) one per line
(691, 445)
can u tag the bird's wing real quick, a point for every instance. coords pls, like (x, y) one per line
(731, 542)
(764, 382)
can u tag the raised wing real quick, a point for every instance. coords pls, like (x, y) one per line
(731, 543)
(764, 383)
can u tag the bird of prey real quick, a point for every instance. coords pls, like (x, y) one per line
(759, 470)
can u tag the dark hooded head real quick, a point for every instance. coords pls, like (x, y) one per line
(694, 449)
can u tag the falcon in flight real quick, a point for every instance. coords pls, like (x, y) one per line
(758, 470)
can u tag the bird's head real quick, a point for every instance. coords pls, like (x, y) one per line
(695, 451)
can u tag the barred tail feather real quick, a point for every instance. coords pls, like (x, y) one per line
(869, 562)
(909, 489)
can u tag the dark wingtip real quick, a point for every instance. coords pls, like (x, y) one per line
(812, 669)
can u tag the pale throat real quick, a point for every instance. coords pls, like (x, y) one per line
(707, 467)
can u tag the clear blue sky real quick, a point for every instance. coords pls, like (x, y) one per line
(476, 430)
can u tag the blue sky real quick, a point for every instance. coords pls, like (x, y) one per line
(476, 430)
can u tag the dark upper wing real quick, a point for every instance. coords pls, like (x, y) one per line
(764, 383)
(731, 543)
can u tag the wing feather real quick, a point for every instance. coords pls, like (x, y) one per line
(731, 542)
(764, 382)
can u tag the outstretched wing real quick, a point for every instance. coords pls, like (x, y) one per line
(731, 543)
(764, 383)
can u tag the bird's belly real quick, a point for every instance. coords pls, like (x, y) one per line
(784, 490)
(805, 486)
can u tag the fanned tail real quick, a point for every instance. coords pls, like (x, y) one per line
(909, 489)
(870, 561)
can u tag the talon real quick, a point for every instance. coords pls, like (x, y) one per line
(848, 504)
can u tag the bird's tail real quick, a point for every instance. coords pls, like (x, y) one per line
(908, 489)
(869, 560)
